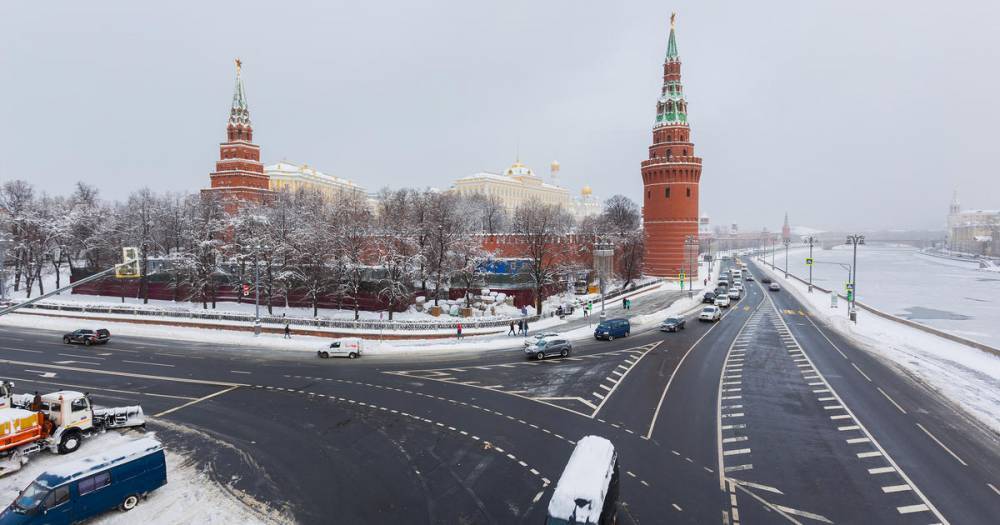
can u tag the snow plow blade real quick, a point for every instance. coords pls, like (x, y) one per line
(119, 417)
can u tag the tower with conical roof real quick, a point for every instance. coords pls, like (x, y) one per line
(670, 176)
(786, 230)
(239, 175)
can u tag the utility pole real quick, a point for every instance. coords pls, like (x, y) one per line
(256, 292)
(786, 242)
(691, 244)
(852, 293)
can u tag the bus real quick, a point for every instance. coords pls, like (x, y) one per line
(587, 491)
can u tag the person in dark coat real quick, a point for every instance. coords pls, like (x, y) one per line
(459, 330)
(288, 331)
(511, 332)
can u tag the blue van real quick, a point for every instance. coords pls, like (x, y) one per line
(79, 489)
(612, 328)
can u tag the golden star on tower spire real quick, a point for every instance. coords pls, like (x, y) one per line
(673, 17)
(239, 66)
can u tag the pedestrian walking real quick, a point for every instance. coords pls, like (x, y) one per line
(288, 330)
(459, 329)
(628, 304)
(511, 332)
(525, 328)
(624, 303)
(520, 326)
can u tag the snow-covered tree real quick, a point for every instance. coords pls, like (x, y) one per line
(541, 228)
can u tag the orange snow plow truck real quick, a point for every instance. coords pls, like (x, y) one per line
(58, 422)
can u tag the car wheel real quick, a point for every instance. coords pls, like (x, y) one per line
(69, 442)
(611, 337)
(87, 342)
(129, 502)
(324, 355)
(352, 355)
(564, 353)
(540, 355)
(66, 340)
(627, 334)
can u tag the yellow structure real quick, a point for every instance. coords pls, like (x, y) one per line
(286, 176)
(517, 185)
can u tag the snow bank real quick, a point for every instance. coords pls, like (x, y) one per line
(967, 376)
(188, 497)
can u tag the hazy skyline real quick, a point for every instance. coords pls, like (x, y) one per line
(845, 115)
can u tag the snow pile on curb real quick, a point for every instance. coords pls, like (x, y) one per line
(967, 376)
(188, 497)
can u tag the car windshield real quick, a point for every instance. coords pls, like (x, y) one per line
(708, 310)
(31, 497)
(672, 320)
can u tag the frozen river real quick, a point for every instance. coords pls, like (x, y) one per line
(898, 280)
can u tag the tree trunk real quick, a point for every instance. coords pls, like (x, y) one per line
(538, 300)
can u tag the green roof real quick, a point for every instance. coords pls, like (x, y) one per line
(672, 45)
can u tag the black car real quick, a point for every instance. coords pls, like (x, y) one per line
(709, 298)
(765, 280)
(672, 324)
(88, 337)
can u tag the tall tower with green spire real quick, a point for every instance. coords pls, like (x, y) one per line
(239, 175)
(671, 177)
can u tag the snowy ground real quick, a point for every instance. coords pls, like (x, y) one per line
(188, 497)
(967, 376)
(949, 296)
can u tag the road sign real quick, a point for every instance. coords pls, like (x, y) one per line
(129, 269)
(849, 286)
(809, 261)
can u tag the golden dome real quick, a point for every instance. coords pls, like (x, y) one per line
(519, 170)
(554, 166)
(586, 191)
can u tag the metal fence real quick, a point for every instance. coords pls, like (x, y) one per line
(274, 320)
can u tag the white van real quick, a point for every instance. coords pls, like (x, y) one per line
(349, 347)
(587, 491)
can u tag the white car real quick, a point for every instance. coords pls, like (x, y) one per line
(349, 347)
(723, 301)
(710, 313)
(734, 294)
(774, 287)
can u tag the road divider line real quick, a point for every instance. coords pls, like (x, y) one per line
(122, 374)
(195, 401)
(938, 441)
(891, 400)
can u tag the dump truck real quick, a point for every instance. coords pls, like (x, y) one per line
(57, 422)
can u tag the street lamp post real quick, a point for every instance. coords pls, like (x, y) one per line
(691, 244)
(256, 292)
(786, 242)
(810, 241)
(772, 251)
(854, 241)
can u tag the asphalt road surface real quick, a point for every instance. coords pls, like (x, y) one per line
(763, 417)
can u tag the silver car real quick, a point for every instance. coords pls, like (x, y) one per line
(548, 346)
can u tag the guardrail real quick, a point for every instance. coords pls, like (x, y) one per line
(885, 315)
(350, 324)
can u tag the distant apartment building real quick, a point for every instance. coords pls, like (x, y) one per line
(973, 231)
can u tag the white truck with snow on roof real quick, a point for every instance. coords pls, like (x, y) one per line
(58, 422)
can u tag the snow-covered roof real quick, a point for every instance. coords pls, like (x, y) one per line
(294, 170)
(585, 479)
(97, 462)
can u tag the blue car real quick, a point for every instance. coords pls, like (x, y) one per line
(83, 488)
(612, 328)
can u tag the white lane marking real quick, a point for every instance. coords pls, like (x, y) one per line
(21, 350)
(909, 509)
(803, 513)
(854, 441)
(538, 496)
(611, 391)
(881, 470)
(833, 407)
(736, 452)
(849, 427)
(199, 400)
(606, 387)
(738, 468)
(891, 400)
(123, 374)
(750, 484)
(238, 372)
(673, 374)
(84, 356)
(598, 396)
(147, 363)
(872, 454)
(992, 486)
(98, 388)
(735, 439)
(43, 375)
(850, 414)
(862, 373)
(938, 441)
(827, 399)
(678, 507)
(842, 416)
(889, 489)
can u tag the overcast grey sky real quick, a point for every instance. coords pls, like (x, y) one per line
(847, 114)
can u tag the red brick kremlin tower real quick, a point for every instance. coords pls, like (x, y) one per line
(670, 176)
(239, 175)
(786, 230)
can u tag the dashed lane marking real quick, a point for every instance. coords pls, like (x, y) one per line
(938, 441)
(910, 509)
(891, 400)
(889, 489)
(195, 401)
(861, 372)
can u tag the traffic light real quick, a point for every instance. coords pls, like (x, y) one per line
(246, 289)
(850, 295)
